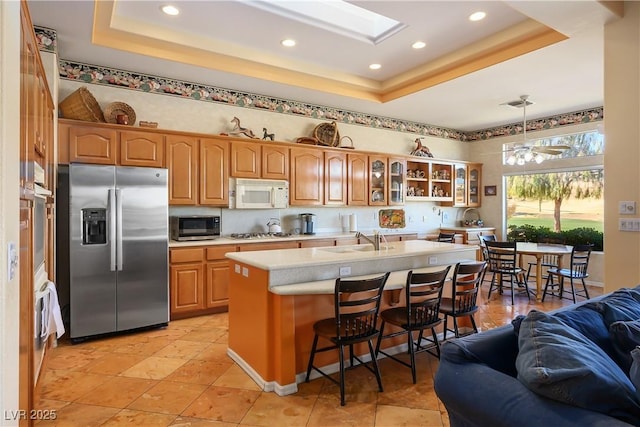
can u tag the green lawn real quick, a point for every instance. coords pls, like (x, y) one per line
(566, 223)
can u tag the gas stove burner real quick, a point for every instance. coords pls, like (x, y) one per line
(258, 235)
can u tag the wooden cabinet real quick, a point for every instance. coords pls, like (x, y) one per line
(214, 172)
(257, 160)
(307, 177)
(335, 178)
(429, 180)
(267, 246)
(397, 183)
(182, 162)
(357, 179)
(199, 280)
(141, 149)
(318, 243)
(467, 182)
(89, 144)
(198, 171)
(378, 192)
(474, 175)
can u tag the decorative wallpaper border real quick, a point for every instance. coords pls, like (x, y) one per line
(47, 39)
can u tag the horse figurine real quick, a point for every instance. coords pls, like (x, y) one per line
(239, 130)
(421, 150)
(267, 135)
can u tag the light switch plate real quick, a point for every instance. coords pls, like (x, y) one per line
(627, 208)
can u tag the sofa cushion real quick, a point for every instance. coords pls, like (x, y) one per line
(634, 372)
(620, 305)
(560, 363)
(625, 336)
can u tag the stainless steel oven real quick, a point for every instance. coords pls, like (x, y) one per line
(195, 227)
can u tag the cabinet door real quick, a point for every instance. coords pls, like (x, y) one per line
(307, 177)
(214, 172)
(187, 288)
(335, 178)
(291, 244)
(141, 149)
(275, 162)
(245, 159)
(460, 185)
(357, 183)
(317, 243)
(92, 145)
(377, 181)
(397, 168)
(182, 162)
(474, 173)
(217, 284)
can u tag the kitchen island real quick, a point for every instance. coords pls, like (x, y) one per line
(276, 296)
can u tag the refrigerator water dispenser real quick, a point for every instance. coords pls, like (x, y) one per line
(94, 226)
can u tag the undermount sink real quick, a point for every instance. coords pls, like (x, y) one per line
(369, 248)
(337, 249)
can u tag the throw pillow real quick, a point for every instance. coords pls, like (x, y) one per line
(623, 304)
(625, 336)
(560, 363)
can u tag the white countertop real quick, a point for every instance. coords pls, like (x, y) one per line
(308, 265)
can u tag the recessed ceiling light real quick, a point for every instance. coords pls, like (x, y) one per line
(375, 66)
(170, 10)
(418, 45)
(477, 16)
(288, 42)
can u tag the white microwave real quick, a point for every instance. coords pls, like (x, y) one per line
(258, 193)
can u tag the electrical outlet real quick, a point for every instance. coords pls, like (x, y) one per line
(410, 219)
(345, 271)
(424, 218)
(445, 216)
(12, 260)
(237, 268)
(245, 271)
(433, 260)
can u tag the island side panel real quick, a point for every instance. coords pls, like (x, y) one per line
(249, 298)
(282, 340)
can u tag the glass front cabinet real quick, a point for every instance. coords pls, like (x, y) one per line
(377, 181)
(473, 178)
(397, 170)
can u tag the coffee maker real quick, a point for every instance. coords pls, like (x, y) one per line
(308, 221)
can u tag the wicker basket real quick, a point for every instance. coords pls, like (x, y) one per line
(327, 134)
(81, 105)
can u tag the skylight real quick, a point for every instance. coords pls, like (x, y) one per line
(334, 15)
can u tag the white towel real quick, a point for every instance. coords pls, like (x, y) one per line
(53, 322)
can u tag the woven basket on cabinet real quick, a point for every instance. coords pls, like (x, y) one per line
(81, 105)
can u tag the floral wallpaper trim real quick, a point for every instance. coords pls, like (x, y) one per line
(94, 74)
(47, 39)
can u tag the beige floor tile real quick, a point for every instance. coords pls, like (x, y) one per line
(270, 409)
(199, 372)
(128, 417)
(117, 392)
(69, 385)
(145, 347)
(214, 352)
(328, 412)
(199, 422)
(112, 363)
(69, 359)
(397, 416)
(208, 335)
(222, 404)
(78, 415)
(155, 368)
(167, 397)
(182, 349)
(235, 377)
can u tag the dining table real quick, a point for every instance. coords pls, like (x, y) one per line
(538, 250)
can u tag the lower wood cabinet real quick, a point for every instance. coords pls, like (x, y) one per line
(199, 280)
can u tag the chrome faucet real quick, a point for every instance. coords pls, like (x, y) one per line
(377, 239)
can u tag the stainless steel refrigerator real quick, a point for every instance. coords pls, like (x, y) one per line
(113, 248)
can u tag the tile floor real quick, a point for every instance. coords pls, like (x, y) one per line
(181, 376)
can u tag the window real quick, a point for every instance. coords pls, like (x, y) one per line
(561, 193)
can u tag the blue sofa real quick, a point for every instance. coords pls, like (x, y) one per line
(481, 378)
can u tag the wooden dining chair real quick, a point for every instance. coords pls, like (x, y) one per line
(502, 258)
(548, 260)
(463, 300)
(421, 312)
(485, 256)
(580, 255)
(357, 305)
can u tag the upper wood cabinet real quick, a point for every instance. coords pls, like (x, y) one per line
(214, 172)
(335, 178)
(474, 175)
(182, 162)
(307, 177)
(89, 144)
(397, 182)
(257, 160)
(141, 149)
(378, 188)
(357, 179)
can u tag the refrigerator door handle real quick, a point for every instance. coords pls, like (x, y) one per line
(119, 228)
(112, 228)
